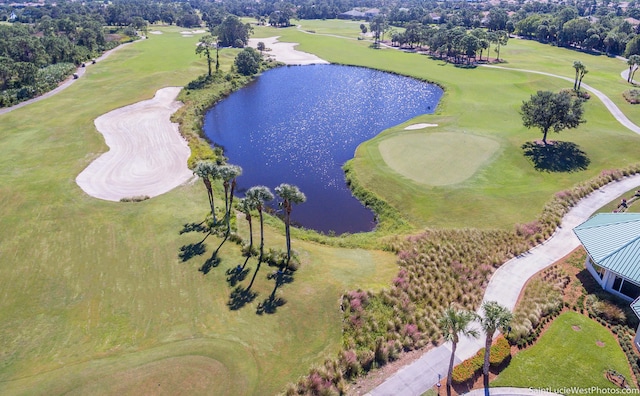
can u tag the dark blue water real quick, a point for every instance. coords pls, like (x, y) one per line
(300, 124)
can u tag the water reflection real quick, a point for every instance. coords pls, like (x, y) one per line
(300, 124)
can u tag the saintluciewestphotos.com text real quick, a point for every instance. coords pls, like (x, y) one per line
(593, 390)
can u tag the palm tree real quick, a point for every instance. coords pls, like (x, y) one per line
(290, 195)
(633, 62)
(494, 317)
(228, 174)
(259, 195)
(208, 171)
(581, 70)
(246, 205)
(452, 323)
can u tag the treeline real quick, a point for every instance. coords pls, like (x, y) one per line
(36, 56)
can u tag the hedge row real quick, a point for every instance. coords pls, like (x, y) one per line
(472, 367)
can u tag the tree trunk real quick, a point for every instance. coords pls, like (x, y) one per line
(261, 233)
(544, 136)
(485, 367)
(287, 225)
(450, 372)
(248, 215)
(207, 184)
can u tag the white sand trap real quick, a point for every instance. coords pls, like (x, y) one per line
(420, 126)
(199, 31)
(155, 32)
(147, 155)
(285, 52)
(187, 35)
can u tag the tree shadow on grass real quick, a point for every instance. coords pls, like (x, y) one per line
(212, 261)
(236, 275)
(270, 305)
(240, 297)
(194, 227)
(191, 250)
(556, 156)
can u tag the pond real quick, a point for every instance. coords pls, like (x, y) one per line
(300, 124)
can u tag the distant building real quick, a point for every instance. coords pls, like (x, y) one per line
(367, 14)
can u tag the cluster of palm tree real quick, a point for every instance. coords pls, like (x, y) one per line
(255, 199)
(633, 62)
(456, 322)
(581, 71)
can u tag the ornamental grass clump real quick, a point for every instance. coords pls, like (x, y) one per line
(541, 301)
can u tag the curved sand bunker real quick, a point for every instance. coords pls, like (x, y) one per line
(286, 52)
(147, 155)
(420, 126)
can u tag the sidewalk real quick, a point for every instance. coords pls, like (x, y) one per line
(504, 287)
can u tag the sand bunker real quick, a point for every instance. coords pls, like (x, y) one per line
(285, 52)
(420, 126)
(147, 155)
(155, 32)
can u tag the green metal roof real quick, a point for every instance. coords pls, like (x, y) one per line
(613, 242)
(635, 306)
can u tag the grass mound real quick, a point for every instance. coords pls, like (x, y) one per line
(437, 159)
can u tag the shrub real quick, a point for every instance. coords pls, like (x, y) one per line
(632, 96)
(468, 369)
(500, 352)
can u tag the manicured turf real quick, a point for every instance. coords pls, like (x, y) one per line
(94, 295)
(426, 158)
(486, 102)
(567, 355)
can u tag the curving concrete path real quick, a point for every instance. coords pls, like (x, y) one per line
(66, 84)
(613, 109)
(508, 280)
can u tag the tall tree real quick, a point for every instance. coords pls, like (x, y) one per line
(581, 70)
(204, 46)
(547, 110)
(378, 26)
(246, 205)
(494, 317)
(232, 32)
(248, 61)
(259, 195)
(228, 174)
(290, 195)
(208, 171)
(502, 38)
(454, 323)
(633, 62)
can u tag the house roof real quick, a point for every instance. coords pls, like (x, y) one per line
(612, 240)
(635, 306)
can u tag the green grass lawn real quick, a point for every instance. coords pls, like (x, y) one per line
(483, 102)
(567, 356)
(96, 300)
(94, 293)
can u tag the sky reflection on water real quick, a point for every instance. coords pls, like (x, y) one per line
(300, 124)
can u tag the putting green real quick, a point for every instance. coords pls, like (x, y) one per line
(437, 159)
